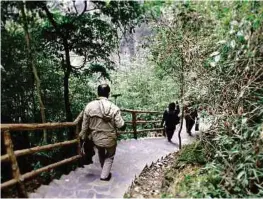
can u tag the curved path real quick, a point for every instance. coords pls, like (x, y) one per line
(131, 157)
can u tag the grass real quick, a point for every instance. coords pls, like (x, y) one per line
(186, 177)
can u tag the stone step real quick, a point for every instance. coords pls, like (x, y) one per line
(35, 195)
(43, 190)
(55, 183)
(130, 159)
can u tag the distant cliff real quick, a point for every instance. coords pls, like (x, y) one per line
(131, 42)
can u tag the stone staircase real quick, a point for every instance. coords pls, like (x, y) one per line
(130, 159)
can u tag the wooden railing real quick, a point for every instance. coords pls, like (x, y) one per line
(11, 156)
(134, 122)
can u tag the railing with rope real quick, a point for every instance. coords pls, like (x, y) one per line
(11, 156)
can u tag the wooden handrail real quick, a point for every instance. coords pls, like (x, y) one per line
(38, 171)
(15, 168)
(134, 126)
(11, 155)
(138, 111)
(144, 121)
(51, 166)
(18, 178)
(140, 131)
(8, 183)
(41, 126)
(38, 149)
(146, 130)
(32, 127)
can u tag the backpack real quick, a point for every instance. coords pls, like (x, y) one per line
(171, 118)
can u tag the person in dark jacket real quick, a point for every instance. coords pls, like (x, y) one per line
(190, 114)
(177, 107)
(171, 119)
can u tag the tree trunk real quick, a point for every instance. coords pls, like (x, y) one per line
(181, 126)
(34, 69)
(67, 70)
(66, 66)
(69, 117)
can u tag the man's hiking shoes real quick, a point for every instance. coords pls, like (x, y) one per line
(106, 179)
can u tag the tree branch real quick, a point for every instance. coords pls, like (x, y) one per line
(83, 11)
(52, 21)
(74, 4)
(92, 9)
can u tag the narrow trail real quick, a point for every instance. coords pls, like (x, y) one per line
(131, 157)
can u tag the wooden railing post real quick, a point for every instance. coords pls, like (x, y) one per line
(77, 131)
(15, 169)
(78, 122)
(134, 125)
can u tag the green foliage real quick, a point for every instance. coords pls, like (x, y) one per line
(141, 83)
(164, 195)
(219, 50)
(202, 185)
(209, 52)
(142, 89)
(154, 8)
(187, 179)
(192, 154)
(92, 37)
(241, 159)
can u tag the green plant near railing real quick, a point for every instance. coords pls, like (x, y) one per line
(190, 158)
(192, 154)
(201, 185)
(125, 136)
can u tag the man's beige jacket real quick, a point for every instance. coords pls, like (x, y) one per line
(101, 118)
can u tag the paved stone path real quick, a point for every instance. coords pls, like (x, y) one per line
(131, 157)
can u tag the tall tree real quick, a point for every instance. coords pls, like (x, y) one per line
(175, 51)
(92, 34)
(31, 59)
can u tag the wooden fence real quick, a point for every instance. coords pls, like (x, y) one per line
(11, 156)
(135, 122)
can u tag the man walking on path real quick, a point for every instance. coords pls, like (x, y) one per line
(171, 119)
(190, 115)
(101, 118)
(177, 107)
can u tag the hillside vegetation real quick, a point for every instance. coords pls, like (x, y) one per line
(55, 54)
(214, 51)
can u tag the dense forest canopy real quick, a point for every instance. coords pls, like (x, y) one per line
(55, 54)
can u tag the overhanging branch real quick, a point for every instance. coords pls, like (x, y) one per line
(83, 11)
(74, 4)
(52, 21)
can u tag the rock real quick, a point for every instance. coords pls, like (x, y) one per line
(149, 183)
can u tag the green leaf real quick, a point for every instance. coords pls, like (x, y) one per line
(239, 176)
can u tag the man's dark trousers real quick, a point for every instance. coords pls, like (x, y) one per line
(189, 124)
(169, 133)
